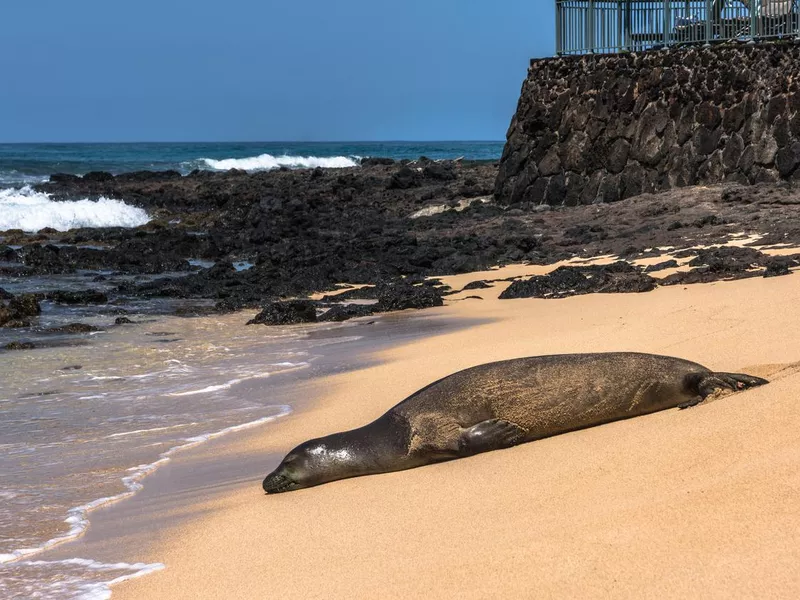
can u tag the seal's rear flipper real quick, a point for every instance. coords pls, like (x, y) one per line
(736, 382)
(490, 435)
(712, 382)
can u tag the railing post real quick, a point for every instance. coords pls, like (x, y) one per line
(559, 21)
(590, 24)
(667, 25)
(708, 21)
(753, 20)
(795, 22)
(628, 19)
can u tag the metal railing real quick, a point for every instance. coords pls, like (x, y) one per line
(604, 26)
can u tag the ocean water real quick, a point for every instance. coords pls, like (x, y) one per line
(84, 421)
(24, 165)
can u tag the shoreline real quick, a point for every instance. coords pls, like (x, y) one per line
(246, 542)
(99, 543)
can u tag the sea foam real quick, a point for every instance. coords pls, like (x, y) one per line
(78, 517)
(29, 210)
(267, 162)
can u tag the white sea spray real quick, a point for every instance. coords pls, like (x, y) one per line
(25, 208)
(267, 162)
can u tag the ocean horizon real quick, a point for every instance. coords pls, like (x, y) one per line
(31, 163)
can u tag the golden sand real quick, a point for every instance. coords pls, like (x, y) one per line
(697, 503)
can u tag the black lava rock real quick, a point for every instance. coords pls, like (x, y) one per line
(98, 176)
(403, 296)
(159, 252)
(18, 311)
(573, 281)
(477, 285)
(287, 313)
(726, 263)
(64, 178)
(73, 328)
(82, 297)
(148, 176)
(25, 305)
(404, 179)
(306, 230)
(779, 267)
(375, 161)
(729, 259)
(8, 254)
(20, 346)
(667, 264)
(440, 171)
(339, 313)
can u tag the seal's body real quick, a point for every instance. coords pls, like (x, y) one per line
(503, 404)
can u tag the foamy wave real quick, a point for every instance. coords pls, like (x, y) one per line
(74, 579)
(78, 517)
(209, 389)
(267, 162)
(29, 210)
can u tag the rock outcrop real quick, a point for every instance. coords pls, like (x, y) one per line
(594, 129)
(617, 278)
(18, 311)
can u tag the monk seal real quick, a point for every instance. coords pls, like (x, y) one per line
(502, 404)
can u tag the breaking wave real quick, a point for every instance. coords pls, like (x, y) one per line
(29, 210)
(267, 162)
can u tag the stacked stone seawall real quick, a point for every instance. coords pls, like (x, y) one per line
(604, 128)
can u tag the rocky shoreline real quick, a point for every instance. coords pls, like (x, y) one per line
(239, 240)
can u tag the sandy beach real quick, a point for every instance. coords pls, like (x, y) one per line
(676, 504)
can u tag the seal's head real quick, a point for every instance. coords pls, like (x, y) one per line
(312, 463)
(378, 447)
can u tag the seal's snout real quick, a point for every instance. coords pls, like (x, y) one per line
(274, 483)
(278, 482)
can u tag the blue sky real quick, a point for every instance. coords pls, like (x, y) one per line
(262, 70)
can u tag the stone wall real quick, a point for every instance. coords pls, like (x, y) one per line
(603, 128)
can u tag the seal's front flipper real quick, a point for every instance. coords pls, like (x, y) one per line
(490, 435)
(691, 403)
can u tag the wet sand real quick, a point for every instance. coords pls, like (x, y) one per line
(677, 504)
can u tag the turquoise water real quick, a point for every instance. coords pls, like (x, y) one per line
(29, 163)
